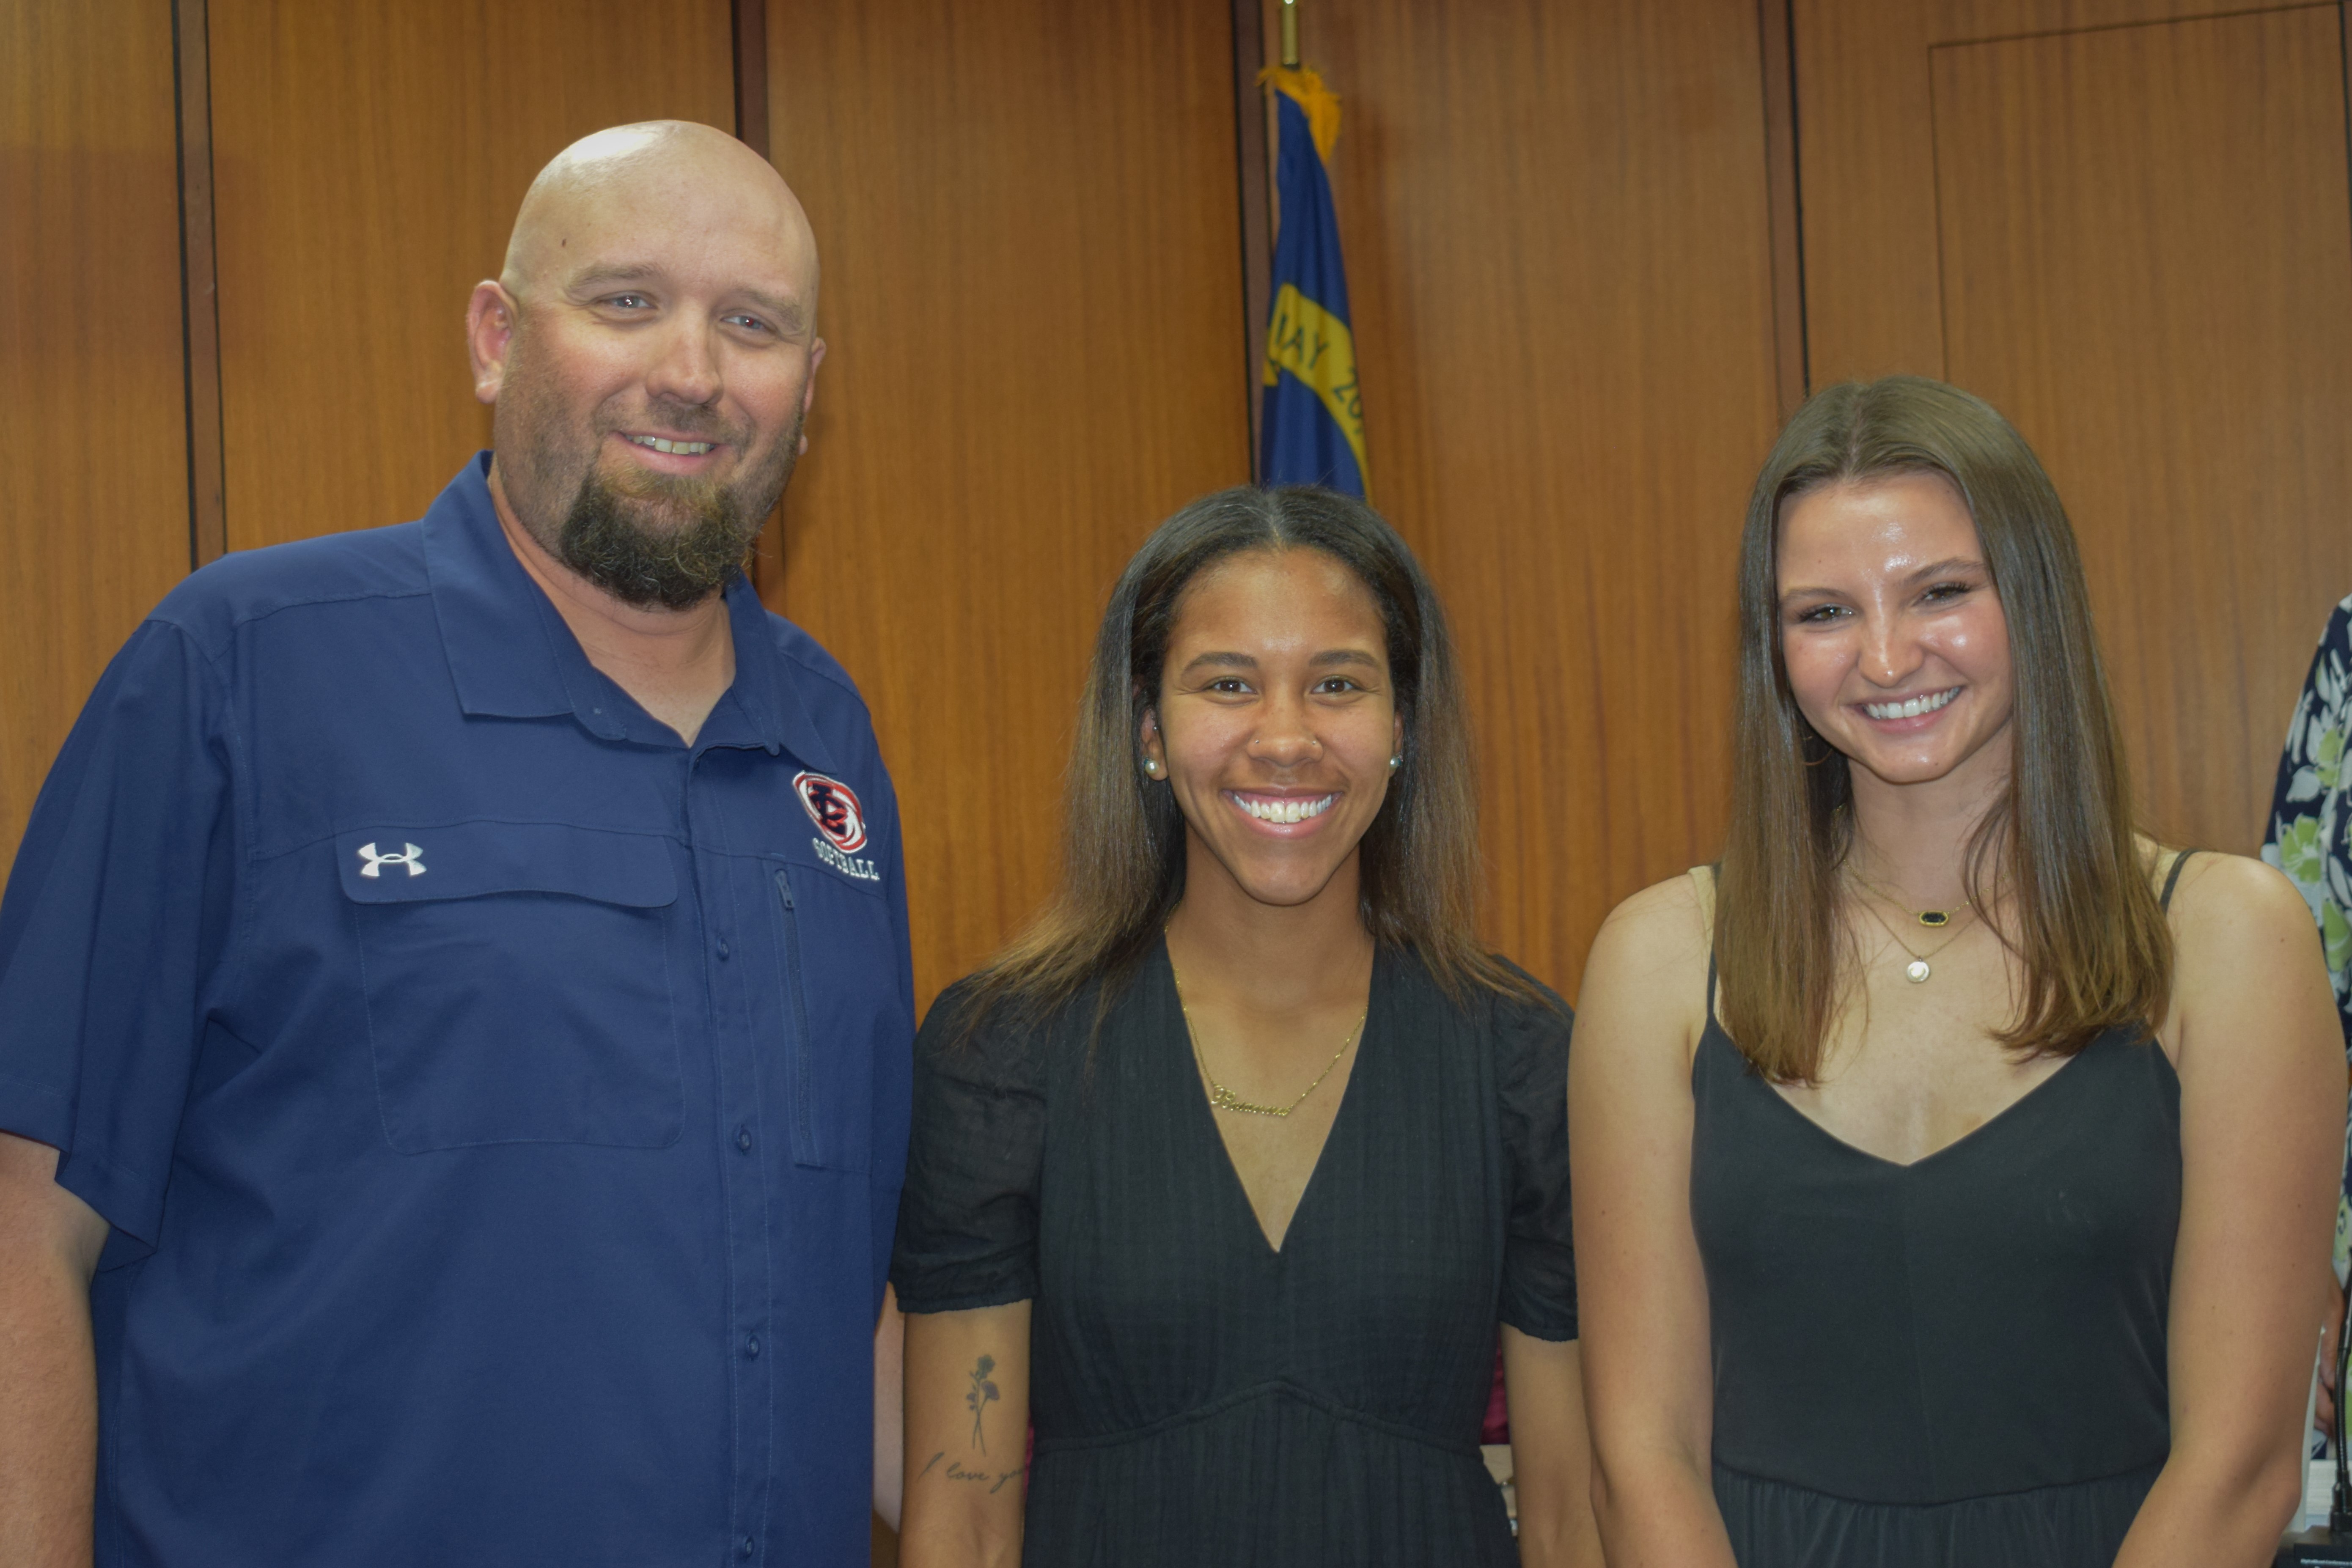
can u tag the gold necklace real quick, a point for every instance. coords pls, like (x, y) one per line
(1223, 1099)
(1934, 920)
(1918, 970)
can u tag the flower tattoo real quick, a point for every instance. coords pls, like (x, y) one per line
(982, 1391)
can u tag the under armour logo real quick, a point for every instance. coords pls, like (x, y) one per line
(376, 863)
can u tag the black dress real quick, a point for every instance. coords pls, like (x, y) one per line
(1956, 1362)
(1198, 1396)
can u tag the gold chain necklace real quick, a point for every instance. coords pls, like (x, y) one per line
(1918, 970)
(1934, 920)
(1223, 1099)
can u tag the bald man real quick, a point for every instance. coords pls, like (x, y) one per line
(454, 1007)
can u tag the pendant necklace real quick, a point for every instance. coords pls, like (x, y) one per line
(1918, 970)
(1934, 920)
(1223, 1099)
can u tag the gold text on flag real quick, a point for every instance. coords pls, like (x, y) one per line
(1316, 346)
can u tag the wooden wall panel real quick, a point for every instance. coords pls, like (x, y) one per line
(93, 452)
(1031, 300)
(2146, 262)
(2126, 223)
(368, 157)
(1867, 161)
(1560, 258)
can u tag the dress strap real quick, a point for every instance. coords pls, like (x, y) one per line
(2172, 881)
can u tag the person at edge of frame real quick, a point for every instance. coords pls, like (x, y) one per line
(1954, 1162)
(1229, 1171)
(454, 989)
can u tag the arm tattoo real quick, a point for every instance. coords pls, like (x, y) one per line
(956, 1472)
(982, 1391)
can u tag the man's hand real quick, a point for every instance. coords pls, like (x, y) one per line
(49, 1242)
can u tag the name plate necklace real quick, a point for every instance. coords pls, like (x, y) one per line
(1223, 1099)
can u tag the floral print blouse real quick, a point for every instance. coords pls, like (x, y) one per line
(2310, 835)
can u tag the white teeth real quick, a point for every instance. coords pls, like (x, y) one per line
(1289, 810)
(691, 449)
(1911, 709)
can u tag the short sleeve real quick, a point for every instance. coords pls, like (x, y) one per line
(116, 916)
(1539, 1248)
(968, 1218)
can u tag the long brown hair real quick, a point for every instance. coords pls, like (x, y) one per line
(1123, 833)
(2059, 842)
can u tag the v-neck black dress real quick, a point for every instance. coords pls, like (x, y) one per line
(1198, 1396)
(1956, 1362)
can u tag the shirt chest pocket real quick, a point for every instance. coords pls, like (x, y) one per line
(517, 983)
(836, 973)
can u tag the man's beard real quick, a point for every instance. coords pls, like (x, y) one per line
(669, 542)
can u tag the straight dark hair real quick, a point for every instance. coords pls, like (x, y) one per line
(2060, 842)
(1123, 833)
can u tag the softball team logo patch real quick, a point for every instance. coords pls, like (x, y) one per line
(833, 807)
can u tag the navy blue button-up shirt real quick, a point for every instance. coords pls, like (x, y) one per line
(500, 1107)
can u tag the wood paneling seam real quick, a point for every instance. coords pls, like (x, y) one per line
(2225, 15)
(1252, 190)
(750, 39)
(2344, 69)
(750, 32)
(199, 277)
(1784, 190)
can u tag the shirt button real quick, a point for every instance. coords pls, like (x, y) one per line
(722, 950)
(743, 1139)
(746, 1548)
(751, 1347)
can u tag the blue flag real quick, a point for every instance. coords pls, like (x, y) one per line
(1313, 425)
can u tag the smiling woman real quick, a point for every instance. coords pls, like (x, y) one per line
(1230, 1172)
(1954, 1164)
(1286, 566)
(1912, 601)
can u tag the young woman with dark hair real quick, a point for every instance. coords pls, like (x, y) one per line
(1226, 1172)
(1954, 1164)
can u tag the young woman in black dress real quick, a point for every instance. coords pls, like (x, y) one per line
(1954, 1166)
(1226, 1173)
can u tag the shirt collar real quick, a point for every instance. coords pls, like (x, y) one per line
(511, 656)
(773, 710)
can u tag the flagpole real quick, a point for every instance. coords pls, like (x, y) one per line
(1290, 34)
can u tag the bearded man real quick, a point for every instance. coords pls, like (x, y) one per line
(454, 989)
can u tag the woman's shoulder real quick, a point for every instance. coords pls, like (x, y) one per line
(1535, 1021)
(1645, 980)
(2248, 956)
(1510, 1021)
(1504, 997)
(1535, 1000)
(983, 1032)
(2221, 903)
(1678, 909)
(2215, 893)
(1663, 929)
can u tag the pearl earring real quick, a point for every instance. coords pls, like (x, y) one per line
(1152, 766)
(1395, 763)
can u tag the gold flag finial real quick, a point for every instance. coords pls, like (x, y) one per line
(1290, 34)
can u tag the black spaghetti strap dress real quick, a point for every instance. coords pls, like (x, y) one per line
(1956, 1362)
(1199, 1397)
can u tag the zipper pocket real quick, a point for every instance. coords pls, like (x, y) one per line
(804, 1054)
